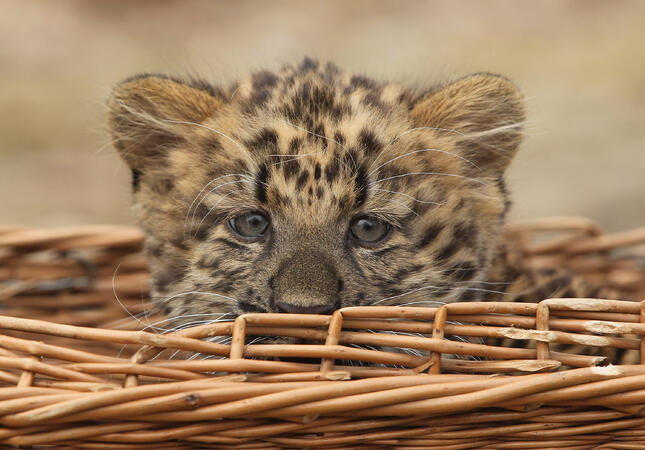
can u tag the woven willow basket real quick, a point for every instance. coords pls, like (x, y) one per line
(76, 371)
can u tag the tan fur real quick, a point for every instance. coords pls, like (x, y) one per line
(314, 147)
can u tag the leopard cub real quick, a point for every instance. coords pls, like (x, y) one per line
(311, 189)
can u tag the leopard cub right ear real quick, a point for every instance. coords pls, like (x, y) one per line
(484, 113)
(148, 114)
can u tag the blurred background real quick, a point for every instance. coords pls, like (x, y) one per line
(580, 64)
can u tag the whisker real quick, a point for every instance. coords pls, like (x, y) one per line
(212, 209)
(405, 293)
(183, 122)
(167, 299)
(203, 189)
(427, 173)
(422, 151)
(117, 297)
(411, 197)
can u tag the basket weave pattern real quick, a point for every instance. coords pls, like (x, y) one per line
(76, 370)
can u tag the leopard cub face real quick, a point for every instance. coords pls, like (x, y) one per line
(311, 189)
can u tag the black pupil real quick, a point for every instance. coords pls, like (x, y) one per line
(251, 224)
(369, 229)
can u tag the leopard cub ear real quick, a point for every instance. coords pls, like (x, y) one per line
(482, 113)
(148, 114)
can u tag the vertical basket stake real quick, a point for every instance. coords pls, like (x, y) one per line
(542, 324)
(438, 333)
(237, 338)
(26, 377)
(333, 336)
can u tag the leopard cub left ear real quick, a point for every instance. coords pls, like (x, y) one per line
(147, 115)
(484, 113)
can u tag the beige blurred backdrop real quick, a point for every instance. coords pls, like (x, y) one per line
(581, 65)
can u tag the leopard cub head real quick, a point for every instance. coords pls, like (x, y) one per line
(311, 189)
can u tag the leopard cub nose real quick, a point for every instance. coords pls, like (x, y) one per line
(299, 309)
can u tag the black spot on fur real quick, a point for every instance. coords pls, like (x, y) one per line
(339, 138)
(369, 142)
(449, 250)
(465, 233)
(264, 80)
(279, 198)
(203, 232)
(249, 307)
(302, 179)
(332, 170)
(212, 144)
(136, 179)
(385, 251)
(359, 81)
(317, 171)
(360, 185)
(258, 98)
(231, 244)
(266, 139)
(319, 192)
(430, 234)
(344, 202)
(261, 184)
(404, 272)
(373, 99)
(308, 65)
(290, 168)
(318, 134)
(205, 263)
(295, 145)
(169, 275)
(155, 250)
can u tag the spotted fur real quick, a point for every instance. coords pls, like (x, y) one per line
(313, 147)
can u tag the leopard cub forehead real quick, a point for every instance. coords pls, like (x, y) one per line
(312, 135)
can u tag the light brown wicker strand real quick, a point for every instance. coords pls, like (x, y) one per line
(238, 338)
(333, 332)
(542, 324)
(437, 333)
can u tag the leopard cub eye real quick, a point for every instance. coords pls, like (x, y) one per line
(250, 225)
(369, 230)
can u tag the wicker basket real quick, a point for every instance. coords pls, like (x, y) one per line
(76, 371)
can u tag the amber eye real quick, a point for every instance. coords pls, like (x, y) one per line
(369, 230)
(250, 225)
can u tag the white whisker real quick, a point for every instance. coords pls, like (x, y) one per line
(427, 173)
(411, 197)
(422, 151)
(203, 189)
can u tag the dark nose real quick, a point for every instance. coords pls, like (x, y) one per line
(297, 309)
(307, 283)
